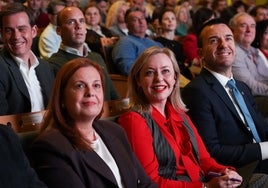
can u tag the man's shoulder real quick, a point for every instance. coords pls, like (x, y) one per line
(60, 55)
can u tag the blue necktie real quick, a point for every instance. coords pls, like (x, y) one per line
(242, 105)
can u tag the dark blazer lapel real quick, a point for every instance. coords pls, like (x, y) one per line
(44, 83)
(220, 91)
(15, 71)
(98, 165)
(116, 148)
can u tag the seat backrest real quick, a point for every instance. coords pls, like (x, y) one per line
(120, 84)
(24, 122)
(107, 45)
(114, 108)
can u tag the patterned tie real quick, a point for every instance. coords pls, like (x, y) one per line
(242, 105)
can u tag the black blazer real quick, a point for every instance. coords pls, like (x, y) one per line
(213, 113)
(15, 170)
(14, 95)
(59, 164)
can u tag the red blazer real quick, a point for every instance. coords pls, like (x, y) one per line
(141, 141)
(189, 47)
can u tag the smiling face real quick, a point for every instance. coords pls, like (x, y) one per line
(218, 47)
(17, 34)
(157, 78)
(244, 32)
(72, 28)
(83, 94)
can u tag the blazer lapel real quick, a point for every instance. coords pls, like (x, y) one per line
(98, 165)
(118, 152)
(220, 91)
(15, 72)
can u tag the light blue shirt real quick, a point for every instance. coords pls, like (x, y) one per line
(127, 50)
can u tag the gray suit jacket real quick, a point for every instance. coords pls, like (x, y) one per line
(14, 95)
(59, 164)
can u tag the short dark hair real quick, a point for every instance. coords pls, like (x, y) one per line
(130, 10)
(254, 11)
(214, 21)
(14, 8)
(52, 4)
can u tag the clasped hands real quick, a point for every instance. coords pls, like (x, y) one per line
(226, 179)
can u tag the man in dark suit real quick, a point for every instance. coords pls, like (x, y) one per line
(15, 169)
(25, 80)
(72, 29)
(213, 109)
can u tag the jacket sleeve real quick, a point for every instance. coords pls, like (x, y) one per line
(15, 168)
(52, 167)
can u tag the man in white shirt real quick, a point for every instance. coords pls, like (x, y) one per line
(25, 80)
(49, 41)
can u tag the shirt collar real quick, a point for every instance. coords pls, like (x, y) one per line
(222, 79)
(33, 59)
(71, 50)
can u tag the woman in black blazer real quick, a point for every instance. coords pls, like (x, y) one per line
(75, 149)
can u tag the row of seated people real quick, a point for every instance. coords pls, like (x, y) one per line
(124, 54)
(77, 100)
(75, 149)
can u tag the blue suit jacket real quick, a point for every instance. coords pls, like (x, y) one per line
(59, 164)
(226, 137)
(14, 95)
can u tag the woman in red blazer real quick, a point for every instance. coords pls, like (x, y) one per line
(161, 134)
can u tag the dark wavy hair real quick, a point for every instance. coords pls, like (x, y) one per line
(261, 27)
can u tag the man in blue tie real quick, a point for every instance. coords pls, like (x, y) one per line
(223, 109)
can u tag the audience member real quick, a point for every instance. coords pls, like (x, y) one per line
(40, 18)
(15, 168)
(94, 28)
(161, 135)
(103, 7)
(72, 3)
(249, 66)
(72, 29)
(213, 109)
(218, 6)
(183, 21)
(236, 7)
(26, 81)
(44, 5)
(259, 13)
(128, 48)
(189, 42)
(167, 21)
(49, 41)
(115, 20)
(261, 38)
(75, 149)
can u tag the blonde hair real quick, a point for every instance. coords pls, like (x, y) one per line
(138, 100)
(111, 18)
